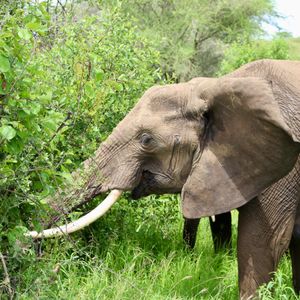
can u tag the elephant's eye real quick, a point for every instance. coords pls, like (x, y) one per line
(146, 139)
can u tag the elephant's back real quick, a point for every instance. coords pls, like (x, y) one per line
(283, 71)
(284, 79)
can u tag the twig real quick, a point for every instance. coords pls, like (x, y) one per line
(61, 126)
(6, 278)
(183, 32)
(62, 6)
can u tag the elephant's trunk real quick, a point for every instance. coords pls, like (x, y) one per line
(82, 222)
(87, 182)
(108, 169)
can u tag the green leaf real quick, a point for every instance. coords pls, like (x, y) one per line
(115, 85)
(4, 64)
(15, 146)
(32, 108)
(7, 132)
(23, 33)
(17, 233)
(7, 171)
(49, 124)
(99, 76)
(46, 98)
(34, 26)
(89, 90)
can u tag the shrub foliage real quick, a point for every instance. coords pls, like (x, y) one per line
(65, 83)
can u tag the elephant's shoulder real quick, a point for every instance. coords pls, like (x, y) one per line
(284, 79)
(270, 69)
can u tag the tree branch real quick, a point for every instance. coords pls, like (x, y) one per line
(6, 280)
(61, 126)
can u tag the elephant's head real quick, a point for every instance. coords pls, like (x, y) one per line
(152, 150)
(219, 141)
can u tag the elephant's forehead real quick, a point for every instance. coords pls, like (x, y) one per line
(145, 116)
(166, 98)
(160, 111)
(160, 107)
(167, 124)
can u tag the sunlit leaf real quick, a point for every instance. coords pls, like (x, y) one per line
(49, 124)
(99, 76)
(34, 26)
(4, 64)
(89, 90)
(23, 33)
(7, 132)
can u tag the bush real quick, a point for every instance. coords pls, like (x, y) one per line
(65, 83)
(240, 53)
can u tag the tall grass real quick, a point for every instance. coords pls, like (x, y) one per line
(136, 252)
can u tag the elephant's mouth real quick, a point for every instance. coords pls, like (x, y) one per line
(145, 185)
(154, 183)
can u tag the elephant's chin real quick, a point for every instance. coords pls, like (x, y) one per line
(139, 192)
(145, 186)
(149, 184)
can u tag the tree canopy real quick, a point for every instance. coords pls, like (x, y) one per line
(191, 35)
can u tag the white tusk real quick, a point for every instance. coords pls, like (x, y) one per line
(82, 222)
(213, 218)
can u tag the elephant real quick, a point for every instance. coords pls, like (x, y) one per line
(220, 142)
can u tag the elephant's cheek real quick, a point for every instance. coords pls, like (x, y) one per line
(119, 175)
(184, 173)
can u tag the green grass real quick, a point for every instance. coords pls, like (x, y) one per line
(294, 48)
(136, 252)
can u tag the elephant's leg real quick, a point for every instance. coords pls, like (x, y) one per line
(295, 253)
(264, 232)
(221, 231)
(255, 259)
(190, 231)
(261, 244)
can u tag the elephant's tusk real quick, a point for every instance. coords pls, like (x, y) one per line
(213, 218)
(82, 222)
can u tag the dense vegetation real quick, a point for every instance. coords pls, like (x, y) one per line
(191, 35)
(68, 74)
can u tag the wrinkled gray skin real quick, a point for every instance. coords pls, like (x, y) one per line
(220, 142)
(265, 228)
(264, 233)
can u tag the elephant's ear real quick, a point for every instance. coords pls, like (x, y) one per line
(248, 146)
